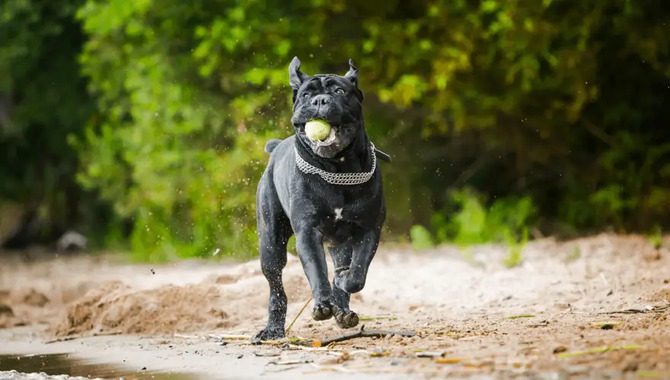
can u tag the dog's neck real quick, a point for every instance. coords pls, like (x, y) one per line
(356, 157)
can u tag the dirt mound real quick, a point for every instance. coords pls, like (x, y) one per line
(93, 296)
(7, 317)
(115, 308)
(17, 305)
(662, 295)
(232, 297)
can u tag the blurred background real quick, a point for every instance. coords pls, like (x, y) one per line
(141, 124)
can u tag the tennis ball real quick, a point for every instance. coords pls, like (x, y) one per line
(317, 130)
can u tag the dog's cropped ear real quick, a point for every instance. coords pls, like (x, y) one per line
(295, 76)
(352, 75)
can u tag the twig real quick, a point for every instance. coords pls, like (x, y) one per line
(65, 339)
(598, 350)
(267, 342)
(429, 354)
(362, 333)
(229, 336)
(297, 316)
(307, 348)
(520, 316)
(184, 336)
(389, 317)
(330, 368)
(655, 309)
(73, 337)
(290, 362)
(366, 369)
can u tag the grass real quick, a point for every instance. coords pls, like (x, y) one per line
(598, 350)
(521, 316)
(469, 219)
(574, 255)
(655, 238)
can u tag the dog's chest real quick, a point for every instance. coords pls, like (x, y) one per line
(341, 217)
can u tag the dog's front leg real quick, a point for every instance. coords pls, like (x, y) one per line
(313, 259)
(352, 280)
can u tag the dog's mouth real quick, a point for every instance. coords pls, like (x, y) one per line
(329, 146)
(332, 137)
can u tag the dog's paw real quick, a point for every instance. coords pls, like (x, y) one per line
(268, 334)
(346, 319)
(324, 310)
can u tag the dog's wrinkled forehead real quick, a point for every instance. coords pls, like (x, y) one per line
(321, 82)
(300, 81)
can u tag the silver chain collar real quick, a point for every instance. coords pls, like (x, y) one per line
(338, 178)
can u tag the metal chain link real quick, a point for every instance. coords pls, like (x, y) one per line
(338, 178)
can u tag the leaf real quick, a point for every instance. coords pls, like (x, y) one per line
(449, 360)
(521, 316)
(598, 350)
(608, 325)
(421, 238)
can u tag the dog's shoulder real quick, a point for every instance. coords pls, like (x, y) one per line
(279, 147)
(271, 145)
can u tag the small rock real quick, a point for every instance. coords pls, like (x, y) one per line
(630, 367)
(429, 354)
(6, 311)
(560, 349)
(72, 241)
(34, 298)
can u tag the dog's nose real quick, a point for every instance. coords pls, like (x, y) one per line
(320, 100)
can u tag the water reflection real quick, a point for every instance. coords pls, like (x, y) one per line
(64, 364)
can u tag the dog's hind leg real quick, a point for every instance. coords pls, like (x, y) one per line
(274, 230)
(344, 317)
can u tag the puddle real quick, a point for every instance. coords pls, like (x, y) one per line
(65, 364)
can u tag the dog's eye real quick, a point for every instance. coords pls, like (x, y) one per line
(305, 95)
(339, 91)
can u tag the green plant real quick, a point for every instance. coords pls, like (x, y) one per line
(466, 220)
(515, 248)
(43, 101)
(469, 222)
(421, 238)
(167, 105)
(574, 255)
(188, 92)
(655, 237)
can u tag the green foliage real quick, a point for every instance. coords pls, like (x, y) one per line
(43, 100)
(574, 255)
(515, 249)
(655, 237)
(552, 109)
(180, 148)
(420, 238)
(468, 221)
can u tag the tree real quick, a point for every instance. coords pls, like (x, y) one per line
(43, 100)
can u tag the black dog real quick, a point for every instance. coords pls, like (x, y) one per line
(326, 193)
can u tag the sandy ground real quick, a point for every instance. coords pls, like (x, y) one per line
(557, 315)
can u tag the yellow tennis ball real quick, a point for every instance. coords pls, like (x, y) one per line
(317, 130)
